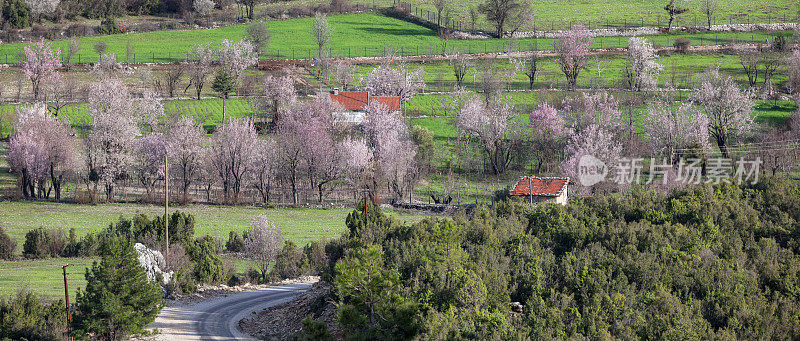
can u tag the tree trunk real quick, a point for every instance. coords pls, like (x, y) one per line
(722, 144)
(223, 109)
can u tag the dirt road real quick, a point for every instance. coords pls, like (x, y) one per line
(218, 318)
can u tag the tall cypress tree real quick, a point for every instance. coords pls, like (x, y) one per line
(118, 299)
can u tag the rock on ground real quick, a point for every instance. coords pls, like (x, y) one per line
(152, 261)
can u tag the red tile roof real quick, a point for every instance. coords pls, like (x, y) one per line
(391, 102)
(351, 100)
(540, 187)
(358, 100)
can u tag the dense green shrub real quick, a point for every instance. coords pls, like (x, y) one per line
(26, 316)
(701, 263)
(142, 229)
(313, 330)
(118, 299)
(41, 243)
(16, 13)
(7, 245)
(235, 241)
(287, 262)
(208, 268)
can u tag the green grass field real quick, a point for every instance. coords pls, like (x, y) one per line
(43, 276)
(353, 35)
(558, 14)
(300, 225)
(207, 111)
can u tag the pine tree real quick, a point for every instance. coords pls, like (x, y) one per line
(224, 84)
(118, 299)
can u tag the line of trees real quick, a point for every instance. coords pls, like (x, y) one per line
(128, 137)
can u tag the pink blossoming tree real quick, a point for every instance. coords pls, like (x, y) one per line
(490, 124)
(388, 80)
(392, 149)
(264, 167)
(671, 129)
(185, 139)
(594, 141)
(729, 110)
(546, 132)
(571, 49)
(263, 243)
(233, 147)
(149, 165)
(111, 140)
(41, 151)
(40, 62)
(236, 57)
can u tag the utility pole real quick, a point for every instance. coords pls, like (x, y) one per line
(530, 189)
(166, 203)
(366, 218)
(66, 296)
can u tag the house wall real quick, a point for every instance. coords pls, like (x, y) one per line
(563, 199)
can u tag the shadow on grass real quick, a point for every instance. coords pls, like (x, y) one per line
(774, 113)
(396, 31)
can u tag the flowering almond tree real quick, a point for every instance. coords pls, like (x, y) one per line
(42, 149)
(386, 80)
(263, 243)
(236, 57)
(490, 124)
(642, 63)
(321, 31)
(40, 63)
(594, 141)
(185, 139)
(233, 146)
(355, 160)
(729, 110)
(264, 167)
(278, 96)
(546, 130)
(572, 48)
(199, 59)
(393, 151)
(306, 147)
(671, 128)
(149, 165)
(110, 143)
(599, 108)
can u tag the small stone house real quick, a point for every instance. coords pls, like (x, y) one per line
(537, 190)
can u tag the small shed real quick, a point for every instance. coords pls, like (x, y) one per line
(541, 189)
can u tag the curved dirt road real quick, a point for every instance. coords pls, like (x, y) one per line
(218, 318)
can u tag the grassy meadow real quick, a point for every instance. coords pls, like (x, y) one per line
(43, 276)
(353, 35)
(558, 14)
(300, 225)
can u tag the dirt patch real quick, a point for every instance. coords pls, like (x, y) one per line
(282, 321)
